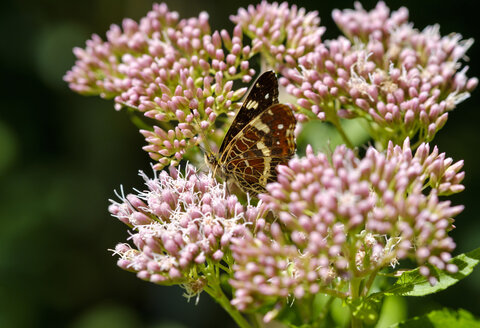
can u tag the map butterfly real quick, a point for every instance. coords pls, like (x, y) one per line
(260, 138)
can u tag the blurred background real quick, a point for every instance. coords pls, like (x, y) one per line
(62, 156)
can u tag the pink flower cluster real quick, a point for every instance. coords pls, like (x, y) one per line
(181, 223)
(377, 23)
(344, 218)
(176, 72)
(337, 219)
(280, 33)
(402, 81)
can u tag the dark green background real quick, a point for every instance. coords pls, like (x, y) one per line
(62, 155)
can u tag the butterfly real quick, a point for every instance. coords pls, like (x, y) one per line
(260, 137)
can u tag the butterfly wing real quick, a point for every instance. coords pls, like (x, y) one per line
(262, 95)
(265, 142)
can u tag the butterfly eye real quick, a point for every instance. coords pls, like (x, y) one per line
(211, 158)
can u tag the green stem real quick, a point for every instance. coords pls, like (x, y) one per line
(355, 293)
(305, 309)
(217, 294)
(356, 323)
(369, 283)
(224, 268)
(334, 293)
(332, 117)
(323, 313)
(256, 320)
(338, 126)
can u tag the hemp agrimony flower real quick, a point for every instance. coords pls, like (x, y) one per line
(338, 225)
(176, 72)
(343, 218)
(280, 33)
(400, 80)
(183, 225)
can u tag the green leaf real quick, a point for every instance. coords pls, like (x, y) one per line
(320, 135)
(339, 313)
(355, 131)
(412, 283)
(394, 309)
(442, 319)
(323, 136)
(365, 308)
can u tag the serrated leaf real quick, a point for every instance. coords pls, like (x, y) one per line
(441, 319)
(412, 283)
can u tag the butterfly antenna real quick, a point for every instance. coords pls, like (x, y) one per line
(207, 151)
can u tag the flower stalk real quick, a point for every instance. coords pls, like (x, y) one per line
(217, 294)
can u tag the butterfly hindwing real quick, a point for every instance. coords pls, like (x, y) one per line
(266, 141)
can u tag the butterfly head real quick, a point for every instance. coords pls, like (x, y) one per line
(211, 160)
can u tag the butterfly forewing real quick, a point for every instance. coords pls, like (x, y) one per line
(260, 137)
(262, 95)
